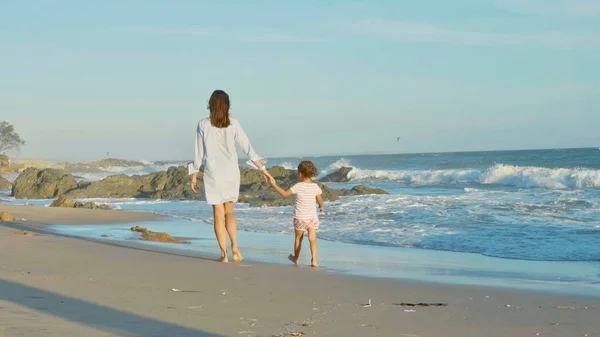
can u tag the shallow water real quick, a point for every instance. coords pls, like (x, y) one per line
(520, 206)
(389, 262)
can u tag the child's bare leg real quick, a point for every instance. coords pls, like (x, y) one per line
(297, 246)
(312, 238)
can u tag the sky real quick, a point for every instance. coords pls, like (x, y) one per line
(79, 79)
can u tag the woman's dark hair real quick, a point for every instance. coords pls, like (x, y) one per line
(219, 109)
(307, 169)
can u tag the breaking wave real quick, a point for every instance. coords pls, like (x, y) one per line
(499, 174)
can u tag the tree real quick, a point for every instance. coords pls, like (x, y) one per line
(9, 138)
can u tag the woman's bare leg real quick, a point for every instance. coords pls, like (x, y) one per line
(220, 232)
(231, 226)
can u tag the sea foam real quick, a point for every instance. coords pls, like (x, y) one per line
(499, 174)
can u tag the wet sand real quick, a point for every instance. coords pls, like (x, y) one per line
(60, 286)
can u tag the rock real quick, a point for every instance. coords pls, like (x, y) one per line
(329, 194)
(42, 184)
(261, 194)
(148, 235)
(4, 164)
(363, 190)
(105, 235)
(174, 184)
(104, 207)
(4, 184)
(5, 217)
(90, 205)
(23, 233)
(63, 201)
(22, 165)
(339, 176)
(97, 166)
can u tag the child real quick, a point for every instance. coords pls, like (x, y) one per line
(305, 214)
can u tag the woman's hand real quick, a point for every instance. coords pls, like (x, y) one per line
(194, 184)
(268, 177)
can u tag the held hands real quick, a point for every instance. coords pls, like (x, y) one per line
(268, 177)
(271, 181)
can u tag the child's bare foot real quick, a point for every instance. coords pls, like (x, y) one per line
(237, 256)
(314, 264)
(293, 259)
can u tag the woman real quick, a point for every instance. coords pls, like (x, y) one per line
(216, 140)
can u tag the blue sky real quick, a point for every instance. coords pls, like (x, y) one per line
(80, 78)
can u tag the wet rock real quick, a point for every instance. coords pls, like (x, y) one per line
(42, 184)
(5, 217)
(104, 207)
(63, 201)
(363, 190)
(339, 176)
(148, 235)
(90, 205)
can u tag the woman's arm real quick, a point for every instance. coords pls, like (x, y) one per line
(194, 167)
(244, 143)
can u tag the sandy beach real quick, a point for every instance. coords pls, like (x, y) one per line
(52, 285)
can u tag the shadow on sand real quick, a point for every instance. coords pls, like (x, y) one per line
(112, 321)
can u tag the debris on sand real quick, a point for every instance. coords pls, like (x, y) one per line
(148, 235)
(24, 233)
(5, 217)
(422, 304)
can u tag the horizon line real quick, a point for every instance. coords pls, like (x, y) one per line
(351, 154)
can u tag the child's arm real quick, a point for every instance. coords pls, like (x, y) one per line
(320, 202)
(285, 193)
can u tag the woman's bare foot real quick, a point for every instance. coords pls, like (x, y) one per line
(223, 258)
(314, 264)
(237, 256)
(293, 259)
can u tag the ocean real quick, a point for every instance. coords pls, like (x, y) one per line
(515, 218)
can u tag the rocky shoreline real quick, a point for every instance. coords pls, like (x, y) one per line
(80, 167)
(173, 184)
